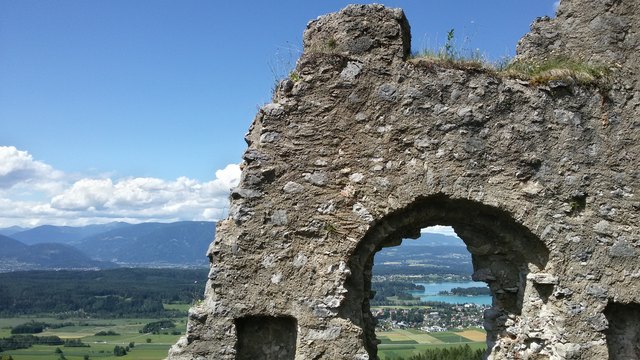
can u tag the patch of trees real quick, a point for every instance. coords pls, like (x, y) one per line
(26, 341)
(389, 288)
(120, 350)
(472, 291)
(123, 350)
(60, 354)
(75, 343)
(453, 353)
(36, 327)
(106, 333)
(107, 293)
(157, 326)
(32, 327)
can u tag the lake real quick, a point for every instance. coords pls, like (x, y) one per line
(431, 291)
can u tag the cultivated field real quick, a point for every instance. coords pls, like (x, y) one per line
(473, 335)
(394, 344)
(147, 346)
(404, 343)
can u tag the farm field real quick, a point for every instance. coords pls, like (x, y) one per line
(146, 346)
(394, 344)
(404, 343)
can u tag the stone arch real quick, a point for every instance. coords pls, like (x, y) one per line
(503, 252)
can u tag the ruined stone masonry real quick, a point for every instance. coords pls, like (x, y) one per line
(364, 147)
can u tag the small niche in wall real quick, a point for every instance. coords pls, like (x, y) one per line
(623, 334)
(266, 337)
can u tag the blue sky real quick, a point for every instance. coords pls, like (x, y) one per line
(133, 110)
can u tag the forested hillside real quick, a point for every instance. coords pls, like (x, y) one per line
(105, 293)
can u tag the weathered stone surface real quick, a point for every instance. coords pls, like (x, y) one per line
(603, 30)
(371, 147)
(542, 278)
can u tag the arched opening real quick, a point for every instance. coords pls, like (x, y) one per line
(503, 253)
(425, 298)
(434, 268)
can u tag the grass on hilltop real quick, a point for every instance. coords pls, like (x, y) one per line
(536, 72)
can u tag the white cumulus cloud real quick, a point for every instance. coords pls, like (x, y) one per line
(439, 229)
(90, 200)
(85, 194)
(19, 167)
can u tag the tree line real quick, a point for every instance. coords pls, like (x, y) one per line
(388, 288)
(36, 327)
(105, 293)
(472, 291)
(452, 353)
(15, 342)
(157, 326)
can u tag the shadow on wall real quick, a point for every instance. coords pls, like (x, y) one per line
(266, 337)
(502, 252)
(623, 334)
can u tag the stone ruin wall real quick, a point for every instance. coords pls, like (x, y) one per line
(366, 147)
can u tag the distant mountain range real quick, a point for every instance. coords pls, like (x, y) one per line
(11, 230)
(179, 244)
(64, 234)
(18, 256)
(434, 239)
(429, 254)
